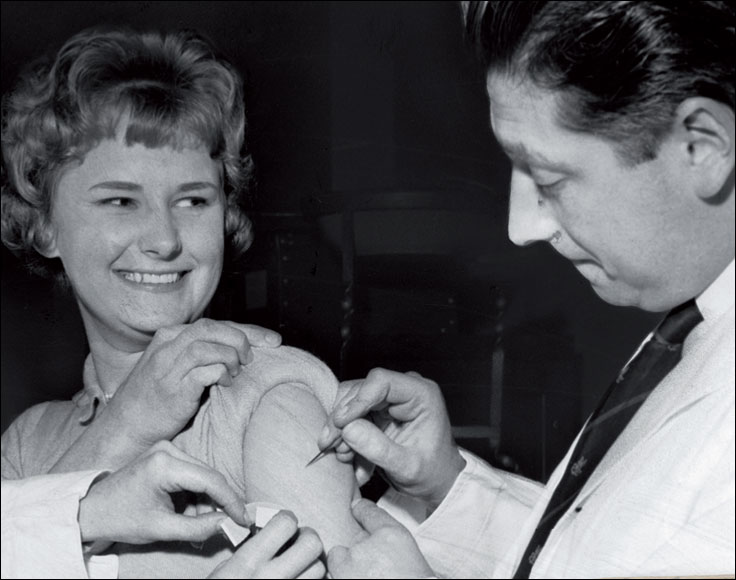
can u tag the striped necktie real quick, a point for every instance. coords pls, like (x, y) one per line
(657, 357)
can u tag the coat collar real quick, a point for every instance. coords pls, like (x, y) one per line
(678, 390)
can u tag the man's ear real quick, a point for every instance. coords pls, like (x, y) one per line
(704, 129)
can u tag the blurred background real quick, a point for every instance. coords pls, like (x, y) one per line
(380, 218)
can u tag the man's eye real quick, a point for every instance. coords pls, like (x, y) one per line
(549, 189)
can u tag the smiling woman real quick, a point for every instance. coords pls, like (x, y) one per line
(126, 173)
(140, 233)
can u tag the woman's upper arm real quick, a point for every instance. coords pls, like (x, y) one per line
(279, 441)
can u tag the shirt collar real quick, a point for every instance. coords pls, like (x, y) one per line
(719, 296)
(92, 395)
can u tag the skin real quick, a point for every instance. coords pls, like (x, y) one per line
(637, 234)
(651, 235)
(278, 444)
(133, 505)
(140, 232)
(131, 209)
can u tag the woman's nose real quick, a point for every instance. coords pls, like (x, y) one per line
(160, 236)
(529, 221)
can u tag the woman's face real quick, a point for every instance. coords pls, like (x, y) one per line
(140, 233)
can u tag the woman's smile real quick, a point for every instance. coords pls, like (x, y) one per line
(154, 281)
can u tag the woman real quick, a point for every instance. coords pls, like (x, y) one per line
(124, 158)
(46, 518)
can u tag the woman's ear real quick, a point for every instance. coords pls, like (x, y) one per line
(704, 129)
(44, 239)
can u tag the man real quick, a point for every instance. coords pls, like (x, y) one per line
(618, 118)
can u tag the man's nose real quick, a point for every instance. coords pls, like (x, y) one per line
(529, 221)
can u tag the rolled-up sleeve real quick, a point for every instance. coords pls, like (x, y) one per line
(40, 530)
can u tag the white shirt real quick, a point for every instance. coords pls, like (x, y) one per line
(40, 531)
(661, 502)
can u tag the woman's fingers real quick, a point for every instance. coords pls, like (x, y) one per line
(257, 335)
(200, 353)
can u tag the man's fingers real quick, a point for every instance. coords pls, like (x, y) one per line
(370, 395)
(369, 441)
(182, 475)
(266, 543)
(335, 559)
(173, 527)
(380, 389)
(363, 470)
(257, 335)
(299, 556)
(315, 571)
(371, 517)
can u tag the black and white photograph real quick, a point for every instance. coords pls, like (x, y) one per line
(353, 289)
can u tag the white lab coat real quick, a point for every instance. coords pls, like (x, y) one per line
(660, 503)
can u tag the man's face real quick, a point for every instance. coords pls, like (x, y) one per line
(619, 225)
(141, 235)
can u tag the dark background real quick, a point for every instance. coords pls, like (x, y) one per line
(347, 103)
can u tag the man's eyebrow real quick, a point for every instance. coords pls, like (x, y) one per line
(518, 152)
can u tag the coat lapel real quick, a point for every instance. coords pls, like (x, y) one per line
(685, 386)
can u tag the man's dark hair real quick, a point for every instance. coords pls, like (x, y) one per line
(622, 68)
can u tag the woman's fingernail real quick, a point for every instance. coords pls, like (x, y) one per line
(273, 339)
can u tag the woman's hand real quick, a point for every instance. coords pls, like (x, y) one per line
(133, 504)
(270, 555)
(164, 389)
(408, 436)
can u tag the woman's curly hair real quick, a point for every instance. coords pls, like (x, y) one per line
(171, 89)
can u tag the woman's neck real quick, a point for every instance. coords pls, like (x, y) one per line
(113, 358)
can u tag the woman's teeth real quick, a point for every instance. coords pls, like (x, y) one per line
(139, 278)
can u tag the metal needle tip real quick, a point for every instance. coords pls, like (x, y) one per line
(317, 457)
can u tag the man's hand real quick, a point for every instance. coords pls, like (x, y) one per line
(133, 504)
(408, 436)
(387, 549)
(265, 554)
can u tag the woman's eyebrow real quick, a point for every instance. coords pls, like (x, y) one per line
(197, 185)
(117, 185)
(130, 186)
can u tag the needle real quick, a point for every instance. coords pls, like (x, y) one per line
(331, 447)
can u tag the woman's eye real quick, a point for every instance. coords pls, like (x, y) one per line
(191, 202)
(118, 202)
